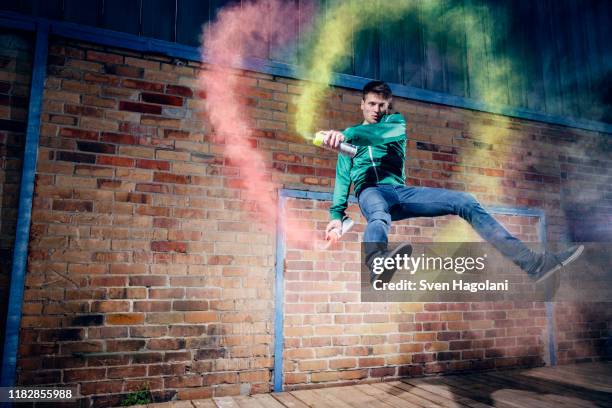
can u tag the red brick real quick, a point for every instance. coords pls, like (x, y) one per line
(115, 161)
(162, 99)
(104, 57)
(147, 86)
(110, 306)
(176, 134)
(171, 178)
(107, 183)
(179, 90)
(72, 206)
(160, 121)
(151, 188)
(87, 374)
(83, 111)
(125, 70)
(153, 164)
(152, 306)
(96, 147)
(127, 371)
(140, 107)
(165, 222)
(78, 133)
(189, 305)
(166, 344)
(137, 130)
(102, 387)
(301, 170)
(125, 345)
(119, 138)
(168, 246)
(148, 280)
(125, 318)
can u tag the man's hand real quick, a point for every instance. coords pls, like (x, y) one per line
(333, 138)
(329, 230)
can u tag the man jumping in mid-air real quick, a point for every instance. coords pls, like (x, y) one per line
(377, 172)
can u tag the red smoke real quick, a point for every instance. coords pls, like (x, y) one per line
(238, 31)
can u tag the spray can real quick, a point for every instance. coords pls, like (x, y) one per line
(344, 148)
(347, 224)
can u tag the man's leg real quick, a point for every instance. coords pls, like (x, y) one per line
(433, 202)
(375, 203)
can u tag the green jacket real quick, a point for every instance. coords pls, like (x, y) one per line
(379, 160)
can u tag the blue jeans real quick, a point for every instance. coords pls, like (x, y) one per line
(385, 203)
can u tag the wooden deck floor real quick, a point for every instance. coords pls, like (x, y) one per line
(580, 385)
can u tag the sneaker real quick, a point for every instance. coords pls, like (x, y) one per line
(550, 263)
(387, 275)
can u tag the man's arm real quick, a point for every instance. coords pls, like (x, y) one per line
(390, 129)
(342, 187)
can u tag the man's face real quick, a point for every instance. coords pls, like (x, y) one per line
(374, 107)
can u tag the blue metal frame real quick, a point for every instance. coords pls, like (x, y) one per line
(174, 50)
(279, 295)
(24, 215)
(280, 271)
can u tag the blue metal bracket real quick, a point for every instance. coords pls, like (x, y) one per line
(24, 215)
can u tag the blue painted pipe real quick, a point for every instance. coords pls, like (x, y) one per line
(24, 215)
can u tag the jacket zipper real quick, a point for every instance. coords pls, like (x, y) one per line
(373, 165)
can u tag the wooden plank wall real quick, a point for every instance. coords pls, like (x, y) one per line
(559, 51)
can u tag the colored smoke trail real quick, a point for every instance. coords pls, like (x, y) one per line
(439, 19)
(332, 45)
(237, 32)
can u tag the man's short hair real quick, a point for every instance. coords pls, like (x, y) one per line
(377, 87)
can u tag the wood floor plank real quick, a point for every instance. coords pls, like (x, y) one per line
(310, 398)
(593, 373)
(584, 385)
(568, 379)
(203, 403)
(559, 387)
(414, 398)
(330, 394)
(596, 368)
(523, 392)
(517, 398)
(354, 397)
(245, 401)
(516, 394)
(268, 401)
(473, 392)
(393, 396)
(288, 400)
(556, 393)
(225, 402)
(391, 388)
(433, 396)
(447, 392)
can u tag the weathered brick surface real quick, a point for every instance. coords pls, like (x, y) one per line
(144, 265)
(15, 73)
(583, 331)
(330, 336)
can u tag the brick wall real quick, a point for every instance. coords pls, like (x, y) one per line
(15, 70)
(332, 337)
(144, 270)
(583, 331)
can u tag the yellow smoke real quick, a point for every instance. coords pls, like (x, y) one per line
(333, 45)
(490, 79)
